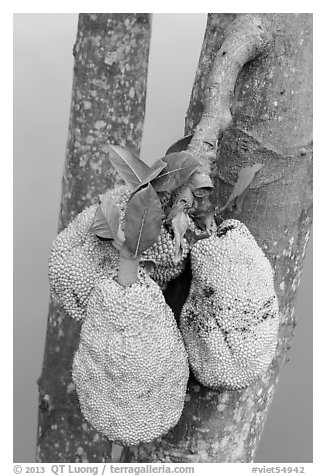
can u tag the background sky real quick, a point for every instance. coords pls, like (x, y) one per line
(43, 66)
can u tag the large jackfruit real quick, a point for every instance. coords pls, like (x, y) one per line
(131, 367)
(229, 321)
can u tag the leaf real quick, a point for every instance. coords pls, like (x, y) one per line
(180, 145)
(245, 177)
(180, 225)
(184, 201)
(130, 168)
(106, 219)
(180, 166)
(143, 217)
(154, 171)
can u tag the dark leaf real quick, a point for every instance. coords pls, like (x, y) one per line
(180, 145)
(144, 216)
(130, 168)
(245, 177)
(106, 219)
(180, 166)
(180, 224)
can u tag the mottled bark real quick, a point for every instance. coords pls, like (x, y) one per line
(247, 38)
(108, 105)
(272, 124)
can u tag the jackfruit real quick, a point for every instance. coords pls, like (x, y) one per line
(230, 319)
(131, 367)
(78, 259)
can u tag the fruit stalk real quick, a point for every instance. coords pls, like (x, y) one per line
(128, 268)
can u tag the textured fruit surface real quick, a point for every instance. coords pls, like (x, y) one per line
(131, 368)
(162, 275)
(78, 259)
(230, 319)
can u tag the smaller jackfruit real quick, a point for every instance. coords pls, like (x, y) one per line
(230, 320)
(78, 259)
(161, 253)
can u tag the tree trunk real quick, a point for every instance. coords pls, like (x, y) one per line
(272, 122)
(108, 105)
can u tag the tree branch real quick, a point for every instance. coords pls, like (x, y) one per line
(247, 37)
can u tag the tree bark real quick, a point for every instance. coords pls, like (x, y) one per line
(272, 125)
(108, 105)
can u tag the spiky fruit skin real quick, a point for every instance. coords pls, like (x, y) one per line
(162, 275)
(131, 368)
(162, 253)
(230, 319)
(78, 259)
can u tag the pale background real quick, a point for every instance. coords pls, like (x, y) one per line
(43, 65)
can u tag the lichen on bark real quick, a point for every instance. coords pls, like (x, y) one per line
(108, 97)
